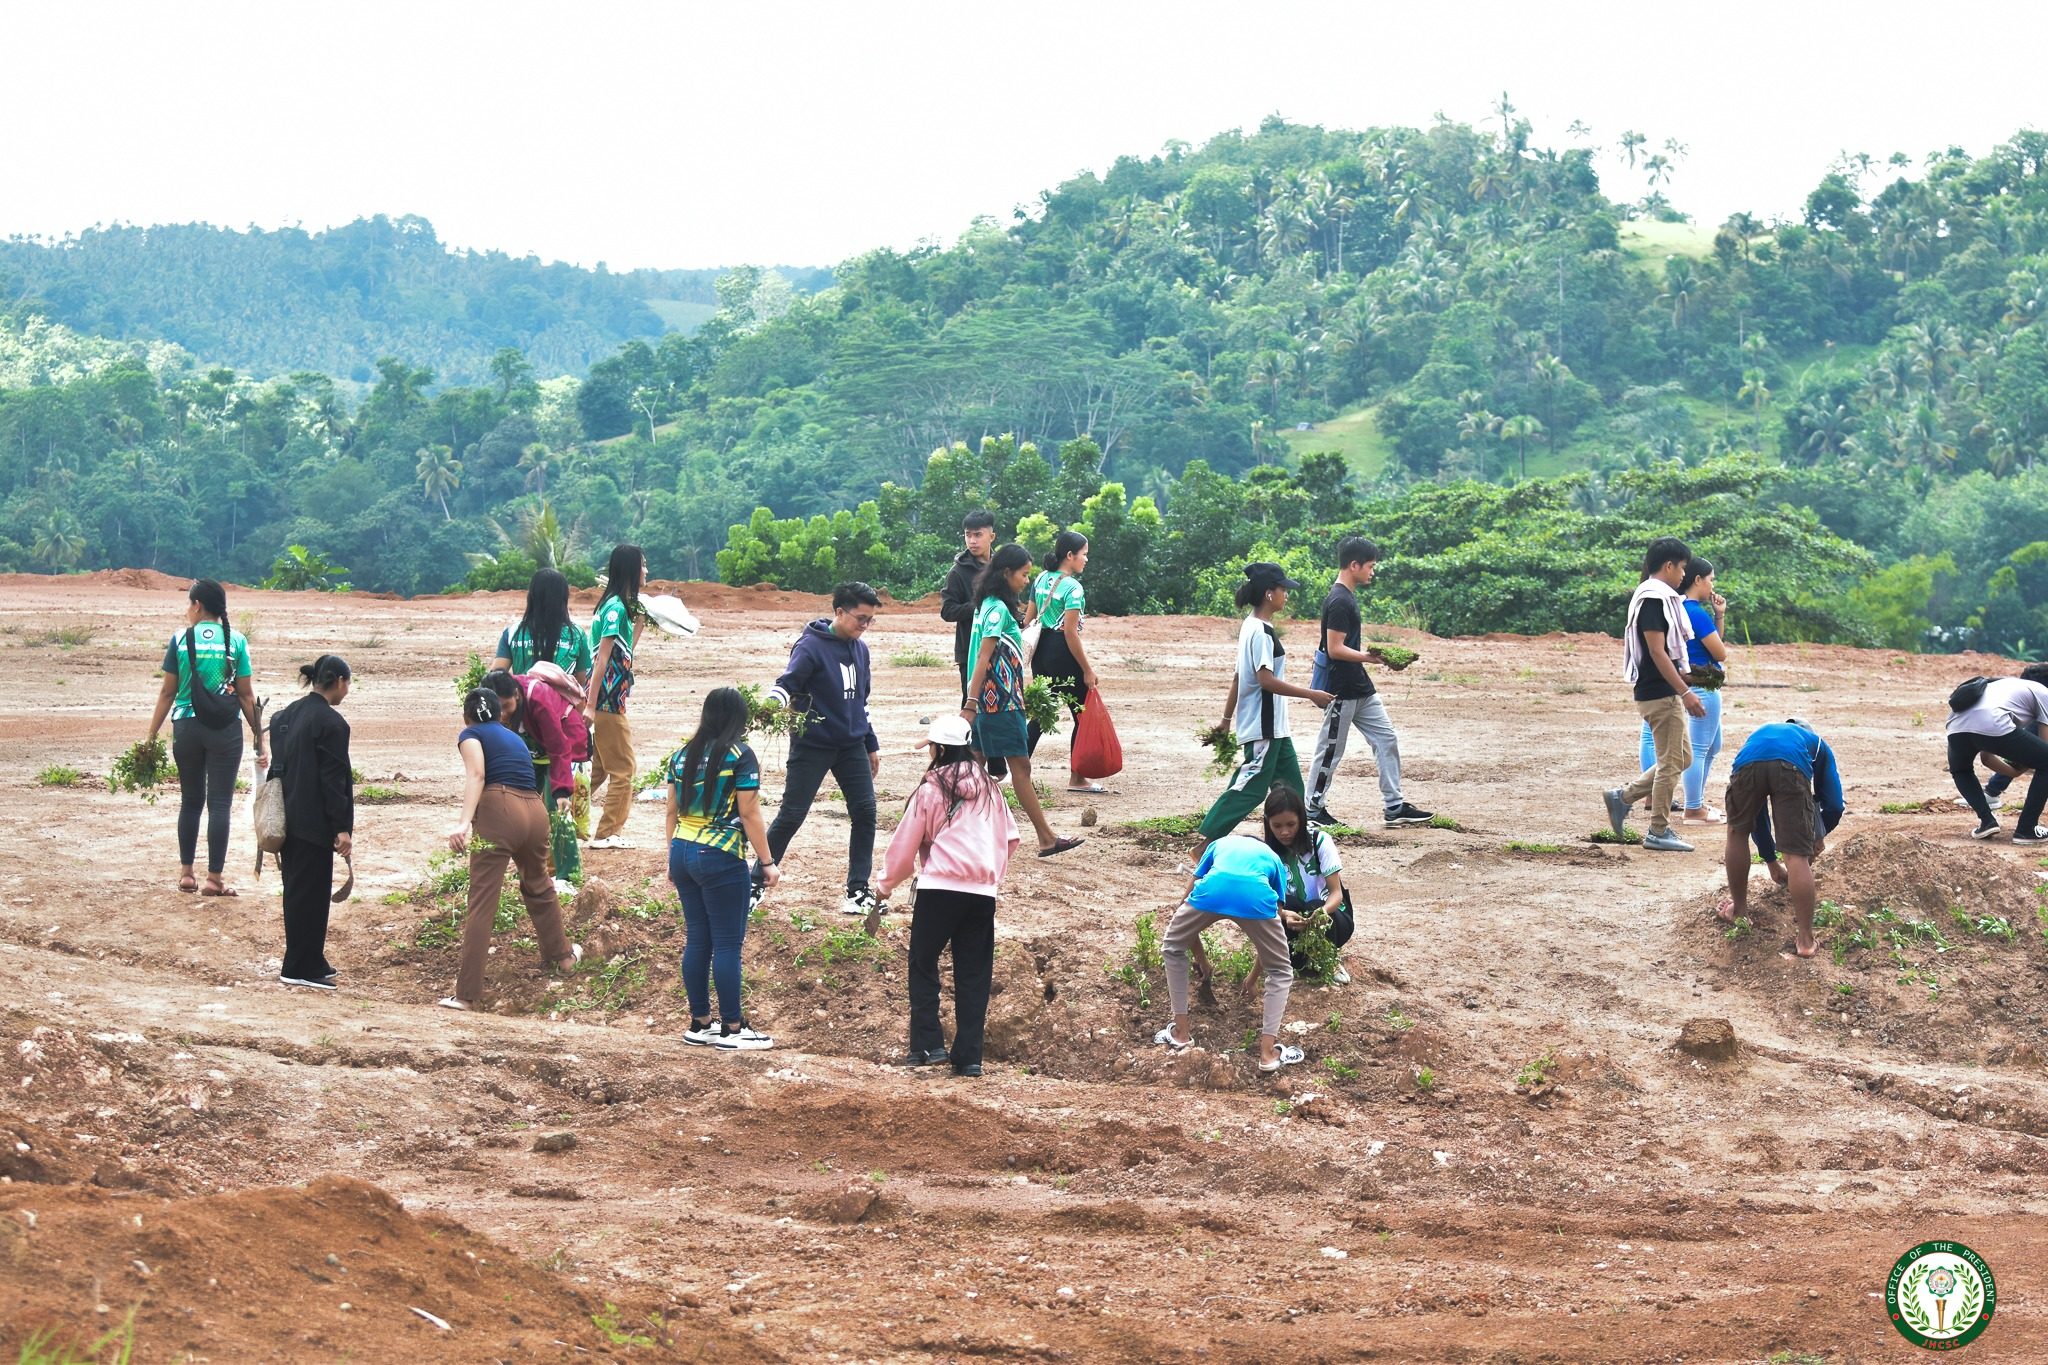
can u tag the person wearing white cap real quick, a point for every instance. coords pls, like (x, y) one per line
(957, 835)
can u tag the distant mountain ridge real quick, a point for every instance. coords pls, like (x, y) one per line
(333, 302)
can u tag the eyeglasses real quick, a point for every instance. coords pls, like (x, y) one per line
(864, 621)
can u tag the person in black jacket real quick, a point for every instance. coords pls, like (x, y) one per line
(956, 598)
(309, 746)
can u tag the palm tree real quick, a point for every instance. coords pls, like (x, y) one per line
(1519, 429)
(1630, 141)
(440, 474)
(1757, 393)
(1925, 440)
(1828, 430)
(1679, 286)
(535, 461)
(1550, 375)
(59, 541)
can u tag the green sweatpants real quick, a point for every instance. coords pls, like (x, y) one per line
(1263, 763)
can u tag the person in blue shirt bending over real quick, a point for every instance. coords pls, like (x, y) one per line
(1242, 880)
(1790, 769)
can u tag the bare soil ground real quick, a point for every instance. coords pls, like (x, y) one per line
(249, 1173)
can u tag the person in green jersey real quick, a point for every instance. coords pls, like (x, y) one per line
(545, 632)
(216, 657)
(1061, 659)
(995, 687)
(611, 738)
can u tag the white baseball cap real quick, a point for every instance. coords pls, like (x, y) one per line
(950, 730)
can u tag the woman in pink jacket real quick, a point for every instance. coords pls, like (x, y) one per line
(957, 835)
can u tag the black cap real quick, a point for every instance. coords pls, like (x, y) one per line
(1266, 576)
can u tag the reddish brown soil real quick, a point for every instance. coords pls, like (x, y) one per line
(1090, 1198)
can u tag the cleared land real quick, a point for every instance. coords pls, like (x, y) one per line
(1496, 1152)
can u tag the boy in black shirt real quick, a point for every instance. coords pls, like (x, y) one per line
(1357, 702)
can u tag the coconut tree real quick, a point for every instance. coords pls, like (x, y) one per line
(1519, 429)
(1680, 283)
(59, 541)
(439, 474)
(1755, 391)
(534, 463)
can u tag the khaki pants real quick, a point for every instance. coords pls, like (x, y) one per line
(1268, 939)
(611, 767)
(514, 826)
(1673, 743)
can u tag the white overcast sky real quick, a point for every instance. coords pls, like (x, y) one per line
(698, 134)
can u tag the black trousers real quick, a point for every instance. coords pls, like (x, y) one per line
(848, 764)
(308, 870)
(967, 922)
(2023, 748)
(208, 761)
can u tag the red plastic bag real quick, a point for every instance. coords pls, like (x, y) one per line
(1097, 752)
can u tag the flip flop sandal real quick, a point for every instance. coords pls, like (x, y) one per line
(188, 885)
(1090, 791)
(1288, 1056)
(1061, 846)
(1166, 1040)
(218, 891)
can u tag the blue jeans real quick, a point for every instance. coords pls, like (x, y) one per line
(713, 889)
(1705, 733)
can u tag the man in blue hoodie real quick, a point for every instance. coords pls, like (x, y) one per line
(827, 679)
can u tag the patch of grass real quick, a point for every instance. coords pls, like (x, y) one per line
(1790, 1357)
(367, 642)
(1138, 663)
(1606, 836)
(1741, 929)
(43, 1348)
(65, 637)
(1444, 822)
(1232, 966)
(1845, 988)
(1335, 1023)
(1355, 435)
(1524, 846)
(1179, 826)
(846, 945)
(1536, 1071)
(612, 1326)
(57, 775)
(377, 796)
(915, 658)
(652, 903)
(1899, 808)
(1142, 962)
(1398, 1021)
(1283, 1107)
(1338, 1070)
(1425, 1079)
(1826, 915)
(1569, 689)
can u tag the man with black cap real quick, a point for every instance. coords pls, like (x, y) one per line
(1257, 708)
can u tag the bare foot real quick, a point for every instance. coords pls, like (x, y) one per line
(1798, 951)
(1725, 911)
(1778, 873)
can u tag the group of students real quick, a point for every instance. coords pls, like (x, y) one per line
(557, 696)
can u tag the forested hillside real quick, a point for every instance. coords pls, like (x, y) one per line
(269, 303)
(1445, 336)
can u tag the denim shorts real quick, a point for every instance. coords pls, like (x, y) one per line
(1002, 734)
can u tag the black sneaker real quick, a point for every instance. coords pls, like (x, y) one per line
(310, 984)
(967, 1068)
(2036, 835)
(1988, 829)
(860, 900)
(937, 1056)
(1406, 814)
(1322, 819)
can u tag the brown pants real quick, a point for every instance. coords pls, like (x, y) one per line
(1268, 939)
(512, 826)
(1673, 743)
(611, 767)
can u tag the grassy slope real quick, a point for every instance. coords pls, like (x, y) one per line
(1352, 434)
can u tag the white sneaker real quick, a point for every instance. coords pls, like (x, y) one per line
(609, 841)
(1340, 976)
(742, 1039)
(308, 984)
(859, 900)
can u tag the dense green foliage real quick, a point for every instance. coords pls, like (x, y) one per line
(274, 302)
(1847, 408)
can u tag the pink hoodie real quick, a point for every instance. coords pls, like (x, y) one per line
(968, 852)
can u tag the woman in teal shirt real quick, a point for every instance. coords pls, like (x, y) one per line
(209, 652)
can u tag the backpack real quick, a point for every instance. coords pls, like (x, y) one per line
(1967, 694)
(214, 710)
(266, 804)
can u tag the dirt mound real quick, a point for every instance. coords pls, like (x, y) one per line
(286, 1274)
(1934, 948)
(33, 1155)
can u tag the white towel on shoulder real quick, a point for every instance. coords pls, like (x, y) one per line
(1675, 638)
